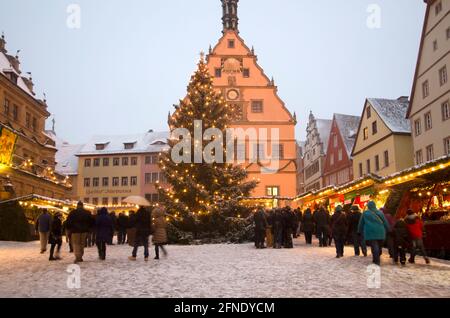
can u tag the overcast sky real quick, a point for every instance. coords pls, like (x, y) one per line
(131, 60)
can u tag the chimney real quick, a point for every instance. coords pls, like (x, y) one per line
(29, 83)
(15, 63)
(3, 44)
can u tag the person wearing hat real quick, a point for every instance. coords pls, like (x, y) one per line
(358, 241)
(339, 230)
(55, 237)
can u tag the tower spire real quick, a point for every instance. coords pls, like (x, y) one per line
(230, 17)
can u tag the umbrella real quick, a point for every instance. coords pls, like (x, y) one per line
(135, 199)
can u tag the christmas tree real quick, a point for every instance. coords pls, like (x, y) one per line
(202, 194)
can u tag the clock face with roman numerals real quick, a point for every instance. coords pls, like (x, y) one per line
(233, 94)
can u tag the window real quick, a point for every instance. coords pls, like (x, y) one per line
(116, 162)
(280, 154)
(15, 112)
(105, 162)
(134, 161)
(162, 177)
(87, 182)
(133, 181)
(100, 146)
(273, 191)
(448, 34)
(218, 72)
(125, 161)
(443, 76)
(87, 162)
(419, 157)
(95, 182)
(124, 181)
(257, 106)
(438, 8)
(28, 120)
(445, 111)
(418, 127)
(360, 170)
(34, 124)
(377, 163)
(155, 197)
(366, 133)
(105, 182)
(6, 107)
(340, 155)
(435, 45)
(425, 89)
(386, 159)
(335, 141)
(105, 201)
(430, 153)
(428, 121)
(368, 166)
(115, 201)
(96, 162)
(369, 112)
(231, 44)
(246, 72)
(447, 146)
(86, 200)
(148, 178)
(153, 159)
(374, 128)
(155, 177)
(115, 181)
(95, 201)
(129, 145)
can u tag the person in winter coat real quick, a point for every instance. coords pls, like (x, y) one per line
(298, 220)
(55, 238)
(269, 229)
(402, 241)
(259, 218)
(359, 243)
(79, 224)
(339, 228)
(122, 228)
(43, 225)
(308, 226)
(390, 234)
(159, 231)
(278, 229)
(68, 236)
(374, 226)
(113, 217)
(131, 228)
(322, 222)
(143, 225)
(103, 229)
(415, 228)
(288, 225)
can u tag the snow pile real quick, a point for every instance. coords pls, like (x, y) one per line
(234, 271)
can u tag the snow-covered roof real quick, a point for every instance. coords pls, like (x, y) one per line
(143, 143)
(66, 159)
(6, 67)
(324, 128)
(348, 126)
(393, 113)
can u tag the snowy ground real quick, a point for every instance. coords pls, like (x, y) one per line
(216, 271)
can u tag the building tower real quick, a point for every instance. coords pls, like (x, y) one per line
(230, 17)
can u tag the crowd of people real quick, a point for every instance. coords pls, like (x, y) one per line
(83, 229)
(376, 228)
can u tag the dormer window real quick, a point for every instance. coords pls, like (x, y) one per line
(231, 44)
(129, 145)
(100, 146)
(159, 143)
(12, 76)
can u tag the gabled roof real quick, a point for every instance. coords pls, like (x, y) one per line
(393, 113)
(148, 142)
(348, 127)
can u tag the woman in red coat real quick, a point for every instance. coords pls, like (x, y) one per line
(415, 229)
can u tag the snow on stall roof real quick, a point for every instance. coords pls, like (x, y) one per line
(348, 126)
(393, 113)
(148, 142)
